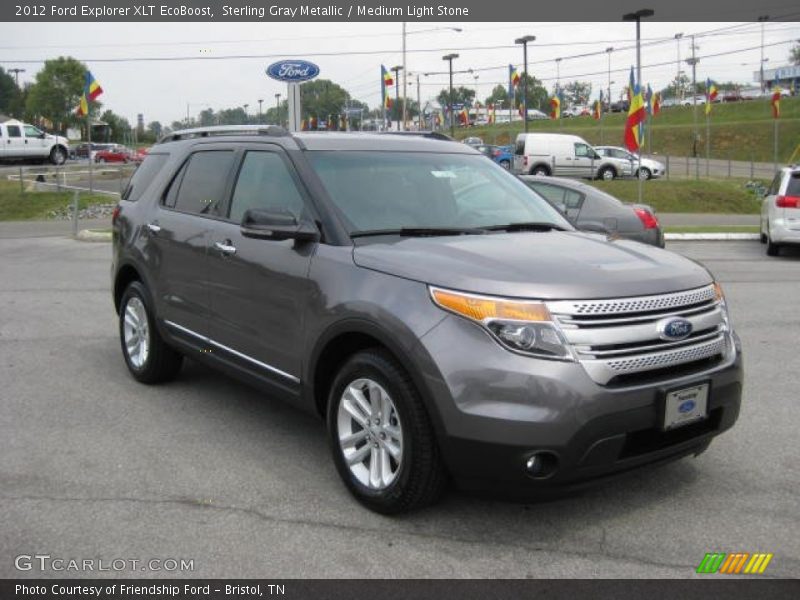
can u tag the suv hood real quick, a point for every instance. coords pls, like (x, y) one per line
(543, 265)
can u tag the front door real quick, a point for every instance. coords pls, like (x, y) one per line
(258, 288)
(35, 142)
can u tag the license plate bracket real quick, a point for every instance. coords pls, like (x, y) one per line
(685, 405)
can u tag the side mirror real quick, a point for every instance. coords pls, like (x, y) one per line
(277, 226)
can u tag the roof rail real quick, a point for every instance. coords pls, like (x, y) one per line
(198, 132)
(434, 135)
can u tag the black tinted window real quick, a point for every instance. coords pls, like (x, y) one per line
(265, 182)
(203, 185)
(144, 175)
(793, 188)
(14, 131)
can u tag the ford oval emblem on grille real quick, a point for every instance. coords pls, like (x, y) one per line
(687, 406)
(674, 329)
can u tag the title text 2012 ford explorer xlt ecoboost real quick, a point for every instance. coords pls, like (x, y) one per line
(444, 319)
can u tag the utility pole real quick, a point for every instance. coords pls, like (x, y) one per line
(609, 50)
(278, 108)
(693, 61)
(260, 102)
(761, 20)
(419, 107)
(404, 76)
(678, 91)
(397, 70)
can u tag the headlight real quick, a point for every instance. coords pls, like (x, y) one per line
(521, 326)
(723, 306)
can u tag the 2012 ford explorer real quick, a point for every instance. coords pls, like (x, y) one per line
(445, 321)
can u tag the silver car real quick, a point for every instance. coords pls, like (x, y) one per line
(650, 168)
(780, 211)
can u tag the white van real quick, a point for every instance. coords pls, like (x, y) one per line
(562, 155)
(20, 141)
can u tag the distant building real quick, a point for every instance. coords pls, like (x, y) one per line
(786, 77)
(140, 124)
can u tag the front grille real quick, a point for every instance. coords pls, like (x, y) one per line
(616, 338)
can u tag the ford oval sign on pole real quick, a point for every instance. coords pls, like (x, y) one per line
(293, 72)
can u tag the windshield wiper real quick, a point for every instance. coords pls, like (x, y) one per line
(420, 231)
(529, 226)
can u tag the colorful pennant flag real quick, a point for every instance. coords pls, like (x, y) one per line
(463, 116)
(598, 107)
(636, 116)
(776, 102)
(555, 107)
(91, 90)
(492, 118)
(656, 103)
(711, 94)
(513, 78)
(386, 82)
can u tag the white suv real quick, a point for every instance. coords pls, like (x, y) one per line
(20, 141)
(780, 211)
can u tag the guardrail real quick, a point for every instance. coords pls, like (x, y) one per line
(105, 179)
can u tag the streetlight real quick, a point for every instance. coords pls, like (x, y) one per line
(524, 41)
(406, 33)
(678, 93)
(16, 73)
(278, 108)
(397, 69)
(260, 102)
(609, 50)
(450, 58)
(638, 16)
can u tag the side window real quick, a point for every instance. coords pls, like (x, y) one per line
(265, 182)
(201, 188)
(31, 131)
(552, 193)
(14, 131)
(775, 186)
(572, 199)
(582, 150)
(144, 175)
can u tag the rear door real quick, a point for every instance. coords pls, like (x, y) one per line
(15, 142)
(178, 235)
(258, 288)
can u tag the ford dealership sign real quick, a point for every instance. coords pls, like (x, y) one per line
(293, 71)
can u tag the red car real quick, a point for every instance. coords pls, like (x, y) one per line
(140, 155)
(117, 154)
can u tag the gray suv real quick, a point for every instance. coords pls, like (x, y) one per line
(445, 320)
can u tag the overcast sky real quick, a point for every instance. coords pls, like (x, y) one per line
(161, 90)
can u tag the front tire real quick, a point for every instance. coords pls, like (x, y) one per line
(644, 174)
(607, 174)
(149, 358)
(58, 156)
(540, 170)
(381, 437)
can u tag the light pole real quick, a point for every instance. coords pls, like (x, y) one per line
(638, 16)
(406, 33)
(524, 41)
(761, 20)
(245, 113)
(450, 58)
(16, 73)
(678, 92)
(278, 108)
(260, 102)
(397, 70)
(609, 50)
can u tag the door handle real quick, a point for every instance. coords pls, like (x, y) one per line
(225, 247)
(153, 227)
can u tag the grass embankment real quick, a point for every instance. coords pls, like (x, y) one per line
(739, 130)
(18, 206)
(725, 196)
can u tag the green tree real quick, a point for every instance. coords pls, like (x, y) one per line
(577, 93)
(9, 92)
(119, 129)
(680, 87)
(155, 129)
(499, 97)
(537, 96)
(461, 95)
(56, 91)
(794, 55)
(322, 97)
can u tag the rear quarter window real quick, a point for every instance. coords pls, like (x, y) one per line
(793, 185)
(144, 175)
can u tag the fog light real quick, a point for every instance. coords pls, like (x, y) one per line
(541, 465)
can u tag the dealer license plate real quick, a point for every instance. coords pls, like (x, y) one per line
(686, 406)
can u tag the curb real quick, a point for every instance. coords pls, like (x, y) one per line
(710, 236)
(93, 235)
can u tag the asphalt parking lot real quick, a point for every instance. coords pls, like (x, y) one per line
(97, 466)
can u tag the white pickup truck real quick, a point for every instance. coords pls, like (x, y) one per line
(20, 141)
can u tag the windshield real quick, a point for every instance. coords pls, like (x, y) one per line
(394, 190)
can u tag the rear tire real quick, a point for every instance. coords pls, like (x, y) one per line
(149, 358)
(772, 248)
(540, 170)
(395, 464)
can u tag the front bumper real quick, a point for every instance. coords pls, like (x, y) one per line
(498, 409)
